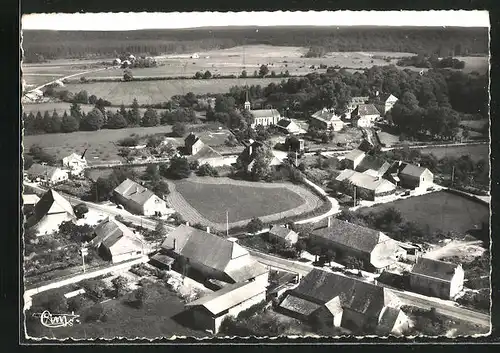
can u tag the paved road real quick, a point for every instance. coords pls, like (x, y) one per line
(448, 308)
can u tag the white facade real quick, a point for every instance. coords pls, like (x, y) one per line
(389, 103)
(75, 163)
(51, 222)
(153, 205)
(367, 120)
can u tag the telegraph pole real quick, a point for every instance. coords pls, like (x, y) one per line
(452, 174)
(354, 197)
(227, 223)
(84, 252)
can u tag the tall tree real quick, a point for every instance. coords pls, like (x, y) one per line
(150, 118)
(94, 120)
(116, 121)
(76, 111)
(135, 115)
(69, 123)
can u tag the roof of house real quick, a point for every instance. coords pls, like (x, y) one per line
(30, 199)
(366, 109)
(191, 139)
(205, 248)
(242, 271)
(325, 115)
(388, 319)
(321, 287)
(373, 163)
(38, 170)
(229, 296)
(51, 202)
(390, 97)
(111, 232)
(164, 259)
(206, 152)
(299, 305)
(281, 231)
(131, 190)
(366, 181)
(359, 100)
(413, 170)
(434, 268)
(355, 154)
(351, 235)
(288, 124)
(75, 156)
(265, 113)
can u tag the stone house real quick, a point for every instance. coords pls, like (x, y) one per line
(283, 235)
(139, 200)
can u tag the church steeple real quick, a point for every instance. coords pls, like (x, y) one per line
(247, 101)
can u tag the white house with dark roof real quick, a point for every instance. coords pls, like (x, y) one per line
(354, 158)
(49, 212)
(29, 202)
(373, 166)
(288, 126)
(412, 177)
(116, 242)
(46, 173)
(389, 103)
(193, 144)
(137, 199)
(373, 247)
(209, 311)
(437, 278)
(326, 119)
(374, 187)
(345, 302)
(264, 117)
(283, 235)
(214, 257)
(365, 115)
(75, 162)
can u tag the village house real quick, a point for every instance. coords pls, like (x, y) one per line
(193, 144)
(365, 115)
(209, 311)
(50, 212)
(115, 242)
(75, 163)
(288, 126)
(389, 103)
(139, 200)
(326, 119)
(117, 61)
(348, 303)
(46, 174)
(283, 235)
(437, 278)
(212, 257)
(413, 177)
(373, 187)
(373, 166)
(29, 203)
(353, 104)
(250, 152)
(373, 247)
(353, 159)
(264, 117)
(199, 151)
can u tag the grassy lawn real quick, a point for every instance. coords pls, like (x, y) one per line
(475, 152)
(439, 211)
(242, 202)
(101, 144)
(387, 139)
(148, 92)
(158, 317)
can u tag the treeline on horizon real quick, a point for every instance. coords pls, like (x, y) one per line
(451, 41)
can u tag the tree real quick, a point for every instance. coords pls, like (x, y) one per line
(54, 302)
(116, 121)
(69, 124)
(141, 295)
(28, 161)
(231, 141)
(179, 129)
(224, 104)
(120, 284)
(244, 74)
(255, 225)
(135, 115)
(80, 210)
(193, 165)
(198, 75)
(263, 70)
(160, 188)
(207, 170)
(150, 118)
(160, 231)
(81, 97)
(92, 99)
(75, 111)
(128, 76)
(152, 172)
(94, 120)
(261, 168)
(47, 122)
(179, 168)
(207, 75)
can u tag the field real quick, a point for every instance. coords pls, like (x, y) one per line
(475, 152)
(475, 63)
(439, 210)
(101, 145)
(156, 319)
(475, 124)
(206, 200)
(148, 92)
(61, 107)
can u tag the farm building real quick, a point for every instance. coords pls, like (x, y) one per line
(326, 119)
(195, 56)
(264, 117)
(115, 241)
(345, 302)
(117, 61)
(250, 152)
(288, 126)
(137, 199)
(46, 174)
(373, 247)
(436, 278)
(354, 158)
(212, 257)
(353, 104)
(413, 177)
(365, 115)
(373, 187)
(373, 166)
(389, 103)
(199, 151)
(126, 63)
(50, 212)
(209, 311)
(75, 163)
(283, 235)
(29, 202)
(193, 144)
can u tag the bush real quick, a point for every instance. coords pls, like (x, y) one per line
(120, 285)
(80, 210)
(207, 170)
(94, 288)
(130, 141)
(95, 313)
(255, 225)
(75, 303)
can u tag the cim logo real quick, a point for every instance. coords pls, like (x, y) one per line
(57, 320)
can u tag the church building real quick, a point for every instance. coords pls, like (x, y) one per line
(264, 117)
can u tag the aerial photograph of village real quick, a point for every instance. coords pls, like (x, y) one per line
(288, 174)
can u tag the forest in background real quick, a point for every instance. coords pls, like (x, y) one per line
(449, 41)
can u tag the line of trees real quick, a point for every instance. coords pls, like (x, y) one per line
(432, 61)
(72, 44)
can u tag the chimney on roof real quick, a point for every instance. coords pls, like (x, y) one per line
(208, 230)
(187, 224)
(286, 226)
(329, 222)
